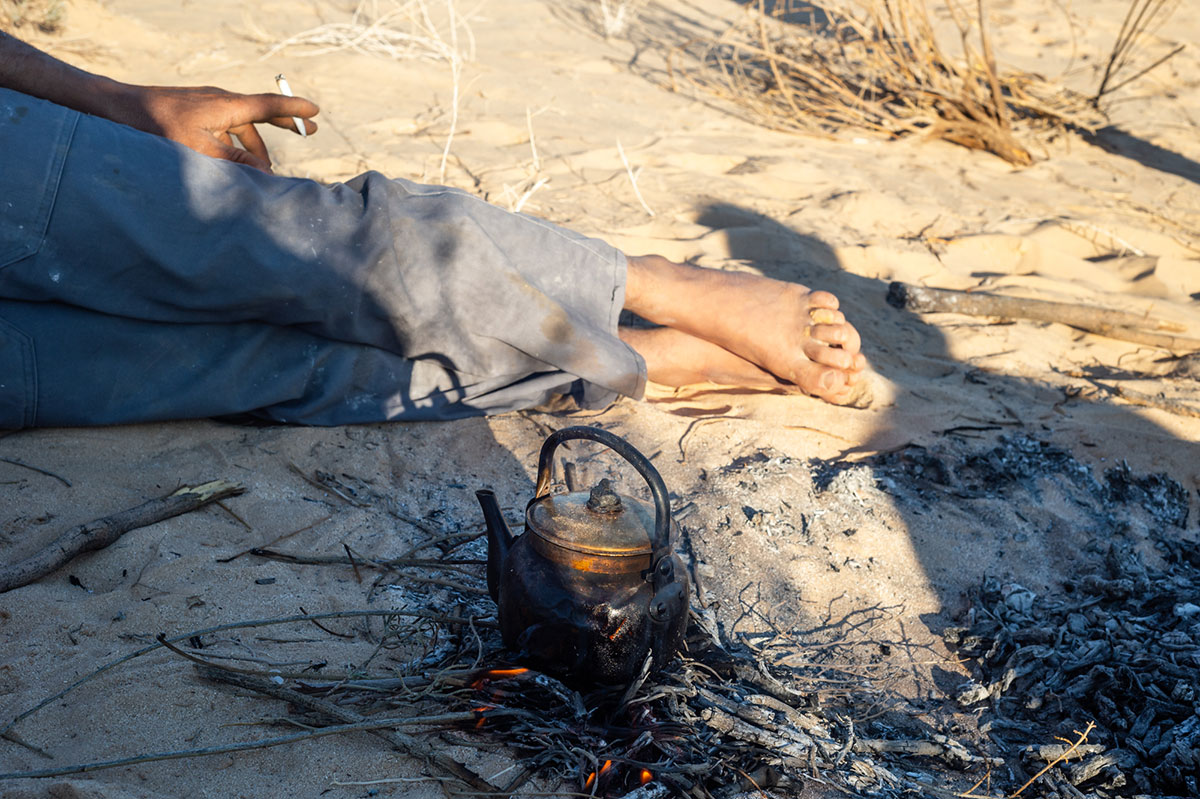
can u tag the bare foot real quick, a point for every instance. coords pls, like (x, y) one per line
(797, 335)
(673, 358)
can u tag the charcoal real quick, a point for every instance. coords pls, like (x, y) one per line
(1122, 649)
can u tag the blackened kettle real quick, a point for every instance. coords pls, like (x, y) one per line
(592, 586)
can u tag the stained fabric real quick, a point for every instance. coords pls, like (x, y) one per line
(142, 281)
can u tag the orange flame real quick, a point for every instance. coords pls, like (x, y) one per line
(607, 765)
(496, 674)
(591, 778)
(499, 674)
(646, 776)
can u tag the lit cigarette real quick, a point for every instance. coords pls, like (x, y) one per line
(286, 90)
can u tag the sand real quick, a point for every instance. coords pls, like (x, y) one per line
(545, 105)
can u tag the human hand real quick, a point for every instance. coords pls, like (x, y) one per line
(208, 119)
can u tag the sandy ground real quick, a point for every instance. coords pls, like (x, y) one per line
(544, 104)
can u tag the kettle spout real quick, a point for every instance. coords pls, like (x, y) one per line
(499, 537)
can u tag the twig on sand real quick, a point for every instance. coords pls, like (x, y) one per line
(325, 486)
(102, 532)
(633, 176)
(1091, 725)
(1120, 325)
(516, 203)
(537, 162)
(276, 539)
(363, 561)
(1140, 19)
(455, 59)
(1159, 402)
(365, 725)
(39, 470)
(403, 742)
(236, 625)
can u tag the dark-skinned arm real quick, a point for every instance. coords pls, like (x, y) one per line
(205, 119)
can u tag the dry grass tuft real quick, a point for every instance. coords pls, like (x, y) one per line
(1143, 17)
(400, 29)
(44, 16)
(880, 68)
(614, 17)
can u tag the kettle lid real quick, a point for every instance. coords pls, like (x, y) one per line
(600, 522)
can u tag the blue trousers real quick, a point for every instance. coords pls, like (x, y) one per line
(141, 281)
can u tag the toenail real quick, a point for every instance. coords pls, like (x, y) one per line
(822, 316)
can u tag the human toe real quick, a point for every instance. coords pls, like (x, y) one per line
(821, 353)
(823, 299)
(825, 316)
(819, 381)
(838, 335)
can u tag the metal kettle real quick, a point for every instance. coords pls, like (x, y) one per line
(592, 586)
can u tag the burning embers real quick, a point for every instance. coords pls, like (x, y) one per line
(497, 674)
(482, 683)
(535, 691)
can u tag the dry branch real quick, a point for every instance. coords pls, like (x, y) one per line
(1120, 325)
(1143, 400)
(367, 725)
(102, 532)
(402, 741)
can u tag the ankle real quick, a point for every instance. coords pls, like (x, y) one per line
(661, 290)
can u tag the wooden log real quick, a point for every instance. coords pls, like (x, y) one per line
(1121, 325)
(103, 532)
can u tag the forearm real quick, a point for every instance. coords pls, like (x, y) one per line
(203, 118)
(28, 70)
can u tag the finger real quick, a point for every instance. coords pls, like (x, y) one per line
(238, 155)
(252, 108)
(289, 123)
(248, 136)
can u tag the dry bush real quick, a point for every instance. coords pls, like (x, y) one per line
(45, 16)
(881, 68)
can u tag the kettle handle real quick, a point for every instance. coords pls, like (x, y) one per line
(661, 541)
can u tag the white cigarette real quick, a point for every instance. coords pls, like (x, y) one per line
(286, 90)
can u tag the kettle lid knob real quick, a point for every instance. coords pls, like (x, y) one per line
(603, 499)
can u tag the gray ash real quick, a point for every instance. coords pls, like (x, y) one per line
(1016, 464)
(1163, 498)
